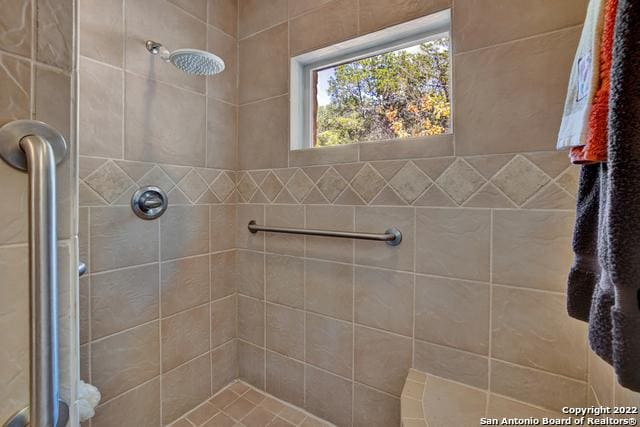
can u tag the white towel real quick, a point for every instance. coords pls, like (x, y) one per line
(584, 79)
(88, 399)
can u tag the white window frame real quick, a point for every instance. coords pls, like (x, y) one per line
(389, 39)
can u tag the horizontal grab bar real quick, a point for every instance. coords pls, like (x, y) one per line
(392, 236)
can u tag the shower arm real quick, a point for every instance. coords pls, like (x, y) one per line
(156, 48)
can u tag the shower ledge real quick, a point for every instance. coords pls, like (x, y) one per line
(431, 401)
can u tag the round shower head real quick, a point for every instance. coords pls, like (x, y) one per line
(197, 62)
(192, 61)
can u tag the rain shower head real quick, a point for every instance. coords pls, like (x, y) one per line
(191, 61)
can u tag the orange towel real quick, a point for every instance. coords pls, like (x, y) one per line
(595, 148)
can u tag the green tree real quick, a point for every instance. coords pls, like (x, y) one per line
(393, 95)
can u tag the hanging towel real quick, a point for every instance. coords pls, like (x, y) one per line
(623, 201)
(585, 271)
(595, 148)
(583, 81)
(614, 313)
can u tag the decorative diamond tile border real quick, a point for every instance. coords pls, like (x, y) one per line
(528, 180)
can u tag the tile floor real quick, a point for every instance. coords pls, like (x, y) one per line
(241, 405)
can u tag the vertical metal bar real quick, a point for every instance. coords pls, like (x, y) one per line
(43, 278)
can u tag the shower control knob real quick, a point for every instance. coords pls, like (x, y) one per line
(149, 202)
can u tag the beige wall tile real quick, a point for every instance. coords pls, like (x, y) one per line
(324, 156)
(185, 387)
(329, 344)
(410, 148)
(175, 29)
(225, 84)
(197, 8)
(244, 238)
(377, 220)
(446, 362)
(531, 328)
(102, 31)
(185, 336)
(164, 124)
(532, 248)
(256, 15)
(285, 280)
(222, 135)
(601, 380)
(329, 289)
(374, 409)
(139, 407)
(16, 28)
(224, 317)
(184, 231)
(223, 282)
(83, 309)
(224, 365)
(120, 239)
(14, 330)
(15, 89)
(251, 320)
(443, 398)
(481, 23)
(382, 360)
(54, 33)
(453, 242)
(328, 396)
(377, 14)
(15, 184)
(299, 7)
(329, 218)
(223, 219)
(493, 82)
(184, 284)
(384, 299)
(537, 387)
(285, 331)
(263, 134)
(500, 407)
(250, 273)
(264, 61)
(284, 216)
(285, 378)
(125, 360)
(251, 364)
(223, 14)
(123, 299)
(331, 23)
(452, 312)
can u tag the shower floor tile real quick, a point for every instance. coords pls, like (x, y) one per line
(241, 405)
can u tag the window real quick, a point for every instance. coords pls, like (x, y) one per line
(387, 85)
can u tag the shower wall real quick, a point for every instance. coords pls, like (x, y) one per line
(37, 79)
(475, 293)
(158, 306)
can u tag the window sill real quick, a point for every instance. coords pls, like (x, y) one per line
(395, 149)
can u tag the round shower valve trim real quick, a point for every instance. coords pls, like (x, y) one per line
(149, 202)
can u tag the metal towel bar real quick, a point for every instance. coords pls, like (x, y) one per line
(392, 236)
(36, 148)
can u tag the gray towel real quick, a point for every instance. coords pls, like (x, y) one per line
(585, 271)
(622, 228)
(614, 312)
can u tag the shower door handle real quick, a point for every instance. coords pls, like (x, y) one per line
(36, 148)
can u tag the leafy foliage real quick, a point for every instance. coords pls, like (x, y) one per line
(397, 94)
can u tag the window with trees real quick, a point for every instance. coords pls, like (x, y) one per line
(389, 85)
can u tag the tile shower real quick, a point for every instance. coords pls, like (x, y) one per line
(174, 310)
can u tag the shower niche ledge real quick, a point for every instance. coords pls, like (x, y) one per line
(428, 400)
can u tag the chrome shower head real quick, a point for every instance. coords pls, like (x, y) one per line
(191, 61)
